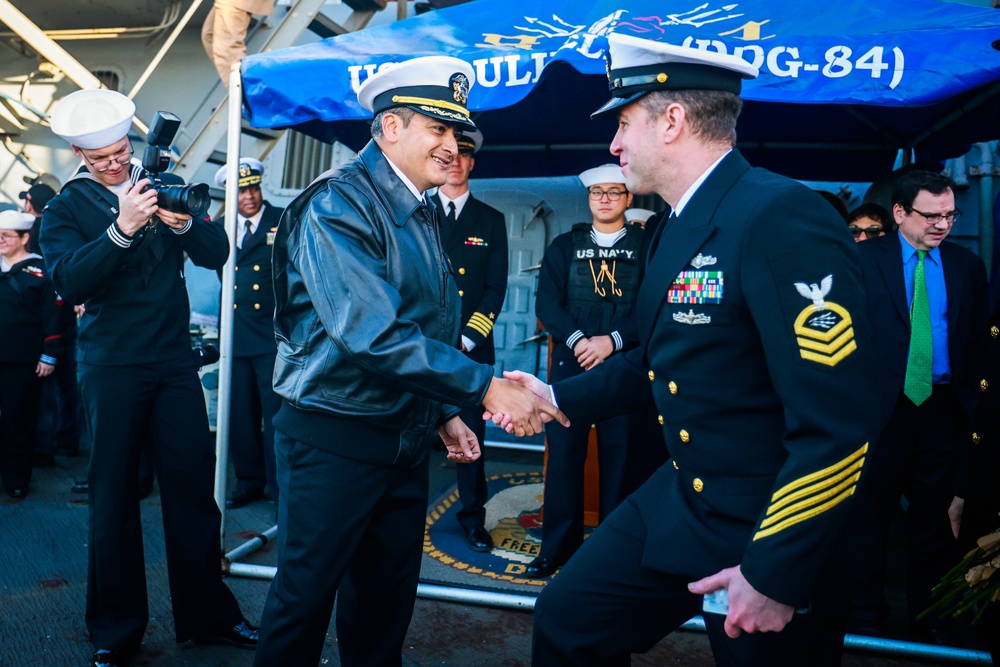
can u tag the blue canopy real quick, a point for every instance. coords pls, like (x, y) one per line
(842, 86)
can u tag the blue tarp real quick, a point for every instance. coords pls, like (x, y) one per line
(842, 85)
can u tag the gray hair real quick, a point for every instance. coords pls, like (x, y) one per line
(405, 114)
(712, 113)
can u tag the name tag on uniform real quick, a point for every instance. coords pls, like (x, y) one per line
(696, 287)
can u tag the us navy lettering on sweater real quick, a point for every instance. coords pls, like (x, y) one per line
(605, 253)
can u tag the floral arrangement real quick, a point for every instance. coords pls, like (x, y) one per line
(972, 584)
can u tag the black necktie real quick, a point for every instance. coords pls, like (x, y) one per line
(246, 233)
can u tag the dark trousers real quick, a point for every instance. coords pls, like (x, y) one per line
(59, 409)
(628, 452)
(604, 605)
(253, 402)
(917, 456)
(161, 406)
(471, 477)
(350, 530)
(20, 389)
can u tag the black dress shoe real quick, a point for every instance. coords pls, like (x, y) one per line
(81, 486)
(241, 499)
(107, 658)
(18, 493)
(540, 567)
(242, 635)
(479, 539)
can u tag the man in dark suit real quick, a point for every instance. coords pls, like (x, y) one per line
(474, 237)
(753, 338)
(928, 300)
(254, 346)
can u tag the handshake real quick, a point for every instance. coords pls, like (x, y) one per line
(519, 403)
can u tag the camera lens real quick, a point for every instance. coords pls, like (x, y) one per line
(193, 200)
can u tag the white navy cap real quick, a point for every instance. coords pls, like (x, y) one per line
(435, 86)
(470, 141)
(93, 118)
(637, 66)
(18, 221)
(638, 214)
(606, 173)
(251, 172)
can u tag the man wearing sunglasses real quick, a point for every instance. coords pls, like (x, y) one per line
(869, 221)
(928, 300)
(586, 291)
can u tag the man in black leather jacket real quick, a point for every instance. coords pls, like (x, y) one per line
(368, 323)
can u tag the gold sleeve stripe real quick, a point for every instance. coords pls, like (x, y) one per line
(480, 323)
(810, 501)
(815, 488)
(799, 518)
(842, 340)
(819, 474)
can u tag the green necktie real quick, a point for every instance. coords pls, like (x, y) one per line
(917, 386)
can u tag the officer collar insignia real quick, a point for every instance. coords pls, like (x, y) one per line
(824, 330)
(691, 317)
(460, 87)
(703, 260)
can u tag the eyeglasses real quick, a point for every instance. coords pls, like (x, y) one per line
(867, 231)
(104, 164)
(597, 194)
(934, 218)
(9, 237)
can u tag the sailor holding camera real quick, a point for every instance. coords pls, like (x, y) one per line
(105, 248)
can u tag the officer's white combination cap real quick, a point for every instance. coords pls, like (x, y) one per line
(251, 172)
(606, 173)
(435, 86)
(93, 119)
(637, 66)
(638, 214)
(470, 141)
(19, 221)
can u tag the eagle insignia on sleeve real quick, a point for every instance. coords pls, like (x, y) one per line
(824, 330)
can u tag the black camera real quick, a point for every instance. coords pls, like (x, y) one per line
(192, 200)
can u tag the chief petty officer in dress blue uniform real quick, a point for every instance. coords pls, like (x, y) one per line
(754, 337)
(254, 346)
(474, 237)
(29, 343)
(586, 293)
(112, 248)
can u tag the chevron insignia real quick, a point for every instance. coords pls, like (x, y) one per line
(824, 330)
(812, 494)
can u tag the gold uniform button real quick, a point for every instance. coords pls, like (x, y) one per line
(995, 331)
(659, 418)
(676, 467)
(235, 286)
(256, 287)
(697, 485)
(461, 271)
(256, 306)
(652, 376)
(976, 439)
(984, 385)
(672, 387)
(236, 268)
(256, 267)
(461, 292)
(685, 436)
(234, 306)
